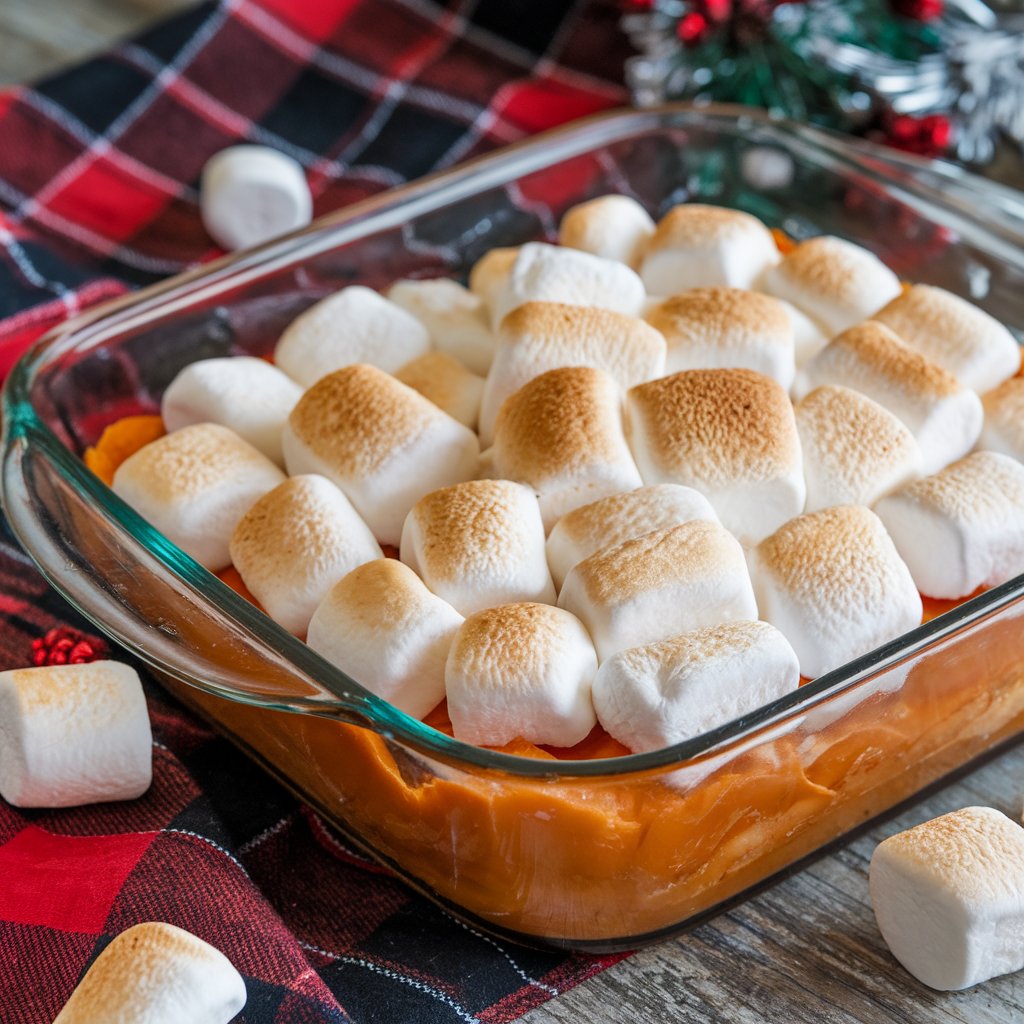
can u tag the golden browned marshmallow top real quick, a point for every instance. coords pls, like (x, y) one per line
(704, 315)
(696, 224)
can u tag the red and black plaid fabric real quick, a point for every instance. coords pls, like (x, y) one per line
(99, 171)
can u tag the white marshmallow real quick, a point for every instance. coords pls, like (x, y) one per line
(443, 380)
(962, 528)
(1003, 430)
(834, 282)
(381, 626)
(947, 330)
(562, 435)
(698, 246)
(155, 973)
(488, 275)
(948, 897)
(244, 394)
(666, 692)
(618, 518)
(541, 336)
(382, 443)
(714, 328)
(944, 416)
(548, 273)
(659, 585)
(809, 338)
(479, 544)
(728, 433)
(295, 543)
(73, 734)
(614, 227)
(355, 325)
(854, 449)
(194, 485)
(250, 194)
(521, 670)
(458, 320)
(835, 585)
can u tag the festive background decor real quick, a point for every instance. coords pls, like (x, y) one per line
(932, 77)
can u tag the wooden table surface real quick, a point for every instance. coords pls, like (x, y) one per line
(806, 950)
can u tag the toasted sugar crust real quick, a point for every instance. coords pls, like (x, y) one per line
(585, 225)
(438, 377)
(490, 269)
(977, 488)
(380, 594)
(697, 224)
(697, 645)
(718, 315)
(828, 266)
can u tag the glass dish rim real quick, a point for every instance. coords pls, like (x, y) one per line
(349, 701)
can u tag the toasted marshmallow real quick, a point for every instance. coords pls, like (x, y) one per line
(614, 227)
(698, 246)
(666, 692)
(194, 485)
(382, 443)
(949, 897)
(488, 276)
(1003, 429)
(479, 544)
(550, 273)
(714, 328)
(383, 627)
(521, 670)
(73, 734)
(244, 394)
(947, 330)
(659, 585)
(618, 518)
(854, 449)
(155, 973)
(834, 282)
(835, 585)
(944, 416)
(447, 383)
(542, 336)
(355, 325)
(809, 338)
(562, 435)
(728, 433)
(295, 543)
(457, 319)
(962, 528)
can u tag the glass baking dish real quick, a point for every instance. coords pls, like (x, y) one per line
(588, 854)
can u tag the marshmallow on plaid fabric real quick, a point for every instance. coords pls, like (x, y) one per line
(99, 170)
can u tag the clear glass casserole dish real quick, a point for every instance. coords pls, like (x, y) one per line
(588, 854)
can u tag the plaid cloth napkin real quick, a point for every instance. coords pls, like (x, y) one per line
(98, 193)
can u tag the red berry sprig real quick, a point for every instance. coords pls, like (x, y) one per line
(64, 646)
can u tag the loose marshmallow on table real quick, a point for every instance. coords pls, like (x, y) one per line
(250, 194)
(355, 325)
(698, 246)
(562, 435)
(479, 544)
(521, 670)
(1003, 430)
(615, 227)
(155, 973)
(728, 433)
(382, 443)
(382, 626)
(834, 584)
(488, 275)
(73, 734)
(651, 697)
(295, 543)
(447, 383)
(713, 328)
(962, 528)
(458, 320)
(854, 449)
(949, 897)
(836, 283)
(659, 585)
(551, 273)
(244, 394)
(541, 336)
(621, 517)
(947, 330)
(944, 416)
(194, 485)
